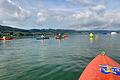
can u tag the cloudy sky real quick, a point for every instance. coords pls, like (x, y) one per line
(62, 14)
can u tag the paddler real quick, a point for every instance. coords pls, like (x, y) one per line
(4, 37)
(59, 35)
(42, 36)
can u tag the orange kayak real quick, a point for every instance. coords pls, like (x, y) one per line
(101, 67)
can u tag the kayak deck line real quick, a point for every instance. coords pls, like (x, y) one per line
(101, 67)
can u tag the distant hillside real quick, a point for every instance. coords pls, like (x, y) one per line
(11, 29)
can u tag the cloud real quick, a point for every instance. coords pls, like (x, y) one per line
(44, 15)
(41, 17)
(94, 11)
(85, 19)
(108, 20)
(9, 11)
(89, 23)
(113, 19)
(81, 14)
(82, 2)
(99, 9)
(113, 15)
(95, 17)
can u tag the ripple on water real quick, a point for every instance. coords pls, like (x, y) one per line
(28, 59)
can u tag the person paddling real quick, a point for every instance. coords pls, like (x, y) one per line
(4, 37)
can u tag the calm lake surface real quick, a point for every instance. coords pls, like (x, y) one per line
(31, 59)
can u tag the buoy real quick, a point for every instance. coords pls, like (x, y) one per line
(113, 33)
(91, 35)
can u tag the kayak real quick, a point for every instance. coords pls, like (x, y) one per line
(59, 37)
(63, 37)
(7, 39)
(101, 67)
(42, 38)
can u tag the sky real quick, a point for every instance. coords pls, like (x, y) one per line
(61, 14)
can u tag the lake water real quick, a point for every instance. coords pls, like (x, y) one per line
(31, 59)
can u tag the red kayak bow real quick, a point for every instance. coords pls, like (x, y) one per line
(101, 67)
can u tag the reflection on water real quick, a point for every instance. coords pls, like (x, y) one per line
(91, 40)
(58, 43)
(31, 59)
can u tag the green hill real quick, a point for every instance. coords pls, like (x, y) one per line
(11, 29)
(7, 29)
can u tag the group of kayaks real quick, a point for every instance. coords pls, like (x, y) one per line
(58, 36)
(101, 67)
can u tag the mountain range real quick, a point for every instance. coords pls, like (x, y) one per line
(11, 29)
